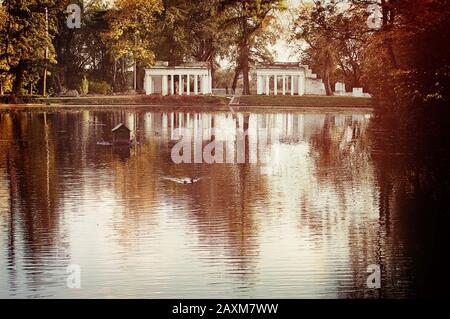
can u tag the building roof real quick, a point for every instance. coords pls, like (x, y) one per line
(187, 65)
(120, 126)
(282, 65)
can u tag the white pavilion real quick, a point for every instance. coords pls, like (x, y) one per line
(280, 78)
(287, 78)
(184, 79)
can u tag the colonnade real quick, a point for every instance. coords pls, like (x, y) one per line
(194, 79)
(165, 82)
(284, 84)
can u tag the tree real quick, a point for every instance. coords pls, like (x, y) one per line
(336, 36)
(250, 21)
(206, 37)
(171, 32)
(411, 32)
(26, 39)
(130, 35)
(315, 26)
(352, 37)
(3, 65)
(82, 51)
(188, 32)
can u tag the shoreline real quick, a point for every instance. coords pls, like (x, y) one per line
(196, 103)
(8, 108)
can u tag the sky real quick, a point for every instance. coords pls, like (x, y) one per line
(283, 52)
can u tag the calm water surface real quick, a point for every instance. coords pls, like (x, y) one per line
(306, 224)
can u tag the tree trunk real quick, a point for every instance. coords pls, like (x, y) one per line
(114, 79)
(124, 80)
(244, 60)
(244, 53)
(134, 74)
(57, 82)
(388, 20)
(140, 77)
(356, 79)
(210, 57)
(327, 76)
(391, 53)
(237, 71)
(213, 71)
(18, 81)
(245, 74)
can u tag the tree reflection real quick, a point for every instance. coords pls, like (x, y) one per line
(332, 193)
(414, 211)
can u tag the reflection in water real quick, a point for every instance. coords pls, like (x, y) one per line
(305, 224)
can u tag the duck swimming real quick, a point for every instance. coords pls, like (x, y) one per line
(191, 180)
(184, 181)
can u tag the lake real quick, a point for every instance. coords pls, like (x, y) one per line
(303, 216)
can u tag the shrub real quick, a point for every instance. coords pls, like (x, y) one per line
(100, 87)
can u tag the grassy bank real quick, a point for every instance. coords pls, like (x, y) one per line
(138, 100)
(266, 103)
(305, 101)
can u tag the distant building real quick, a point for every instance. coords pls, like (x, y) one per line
(184, 79)
(287, 78)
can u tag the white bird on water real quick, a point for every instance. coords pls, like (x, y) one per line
(185, 181)
(190, 180)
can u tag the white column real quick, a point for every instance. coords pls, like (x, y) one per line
(275, 85)
(267, 85)
(205, 84)
(301, 85)
(188, 79)
(146, 85)
(172, 84)
(150, 85)
(196, 84)
(202, 89)
(180, 80)
(292, 85)
(183, 84)
(259, 84)
(284, 85)
(210, 82)
(202, 84)
(164, 85)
